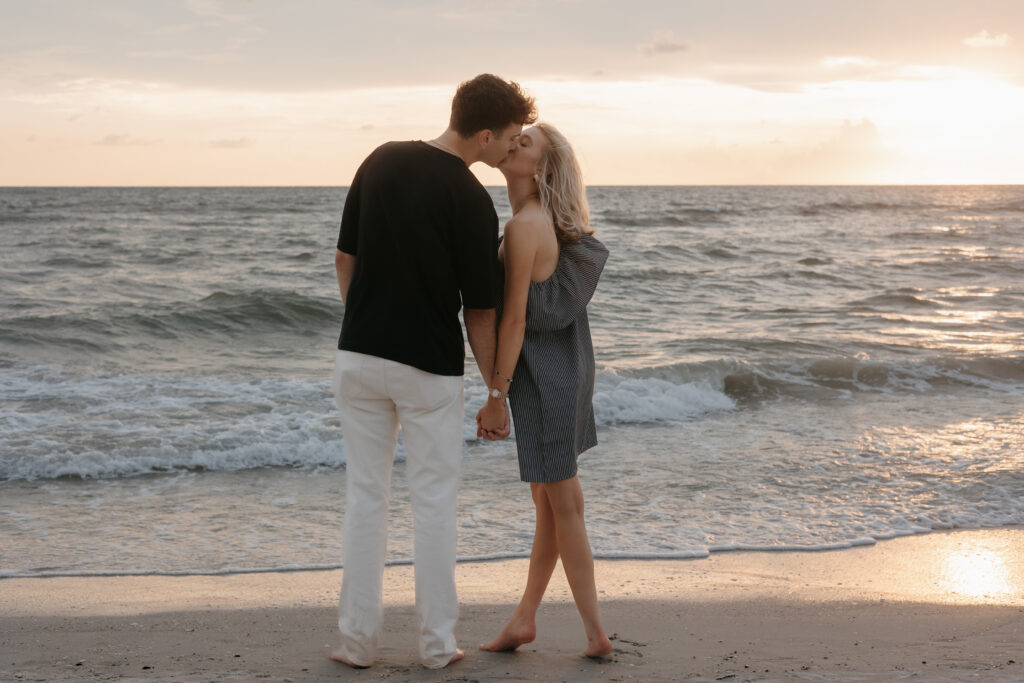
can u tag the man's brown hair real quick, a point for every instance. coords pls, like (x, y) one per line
(490, 103)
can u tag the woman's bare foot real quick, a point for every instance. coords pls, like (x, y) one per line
(459, 654)
(338, 655)
(598, 647)
(516, 632)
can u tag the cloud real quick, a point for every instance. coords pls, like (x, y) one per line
(216, 9)
(124, 140)
(986, 39)
(233, 143)
(797, 77)
(843, 62)
(240, 30)
(663, 43)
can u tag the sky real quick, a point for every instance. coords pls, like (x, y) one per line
(650, 92)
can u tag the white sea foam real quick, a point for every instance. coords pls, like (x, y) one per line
(98, 426)
(102, 426)
(620, 399)
(694, 553)
(683, 489)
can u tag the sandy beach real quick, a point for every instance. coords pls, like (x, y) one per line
(942, 606)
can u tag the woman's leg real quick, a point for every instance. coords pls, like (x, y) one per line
(522, 627)
(566, 500)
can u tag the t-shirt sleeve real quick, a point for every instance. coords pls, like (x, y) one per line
(477, 250)
(348, 234)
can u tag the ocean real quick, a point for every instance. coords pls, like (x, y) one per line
(778, 368)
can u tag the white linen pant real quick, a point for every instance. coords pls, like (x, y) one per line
(374, 397)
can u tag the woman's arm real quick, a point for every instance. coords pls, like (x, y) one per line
(520, 246)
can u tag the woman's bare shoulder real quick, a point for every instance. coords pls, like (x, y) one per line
(532, 221)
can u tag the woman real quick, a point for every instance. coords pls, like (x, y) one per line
(545, 365)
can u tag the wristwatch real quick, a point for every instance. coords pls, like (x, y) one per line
(498, 394)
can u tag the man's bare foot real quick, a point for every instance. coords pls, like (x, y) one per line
(338, 655)
(598, 647)
(516, 632)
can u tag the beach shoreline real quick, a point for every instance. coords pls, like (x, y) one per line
(938, 606)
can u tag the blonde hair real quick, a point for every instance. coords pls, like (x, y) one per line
(560, 187)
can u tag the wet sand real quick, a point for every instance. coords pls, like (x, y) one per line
(942, 606)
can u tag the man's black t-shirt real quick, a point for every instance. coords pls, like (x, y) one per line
(425, 236)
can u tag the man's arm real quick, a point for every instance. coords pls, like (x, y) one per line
(481, 328)
(345, 265)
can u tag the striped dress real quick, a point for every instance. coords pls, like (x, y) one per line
(552, 389)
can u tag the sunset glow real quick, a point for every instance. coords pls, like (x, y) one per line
(228, 92)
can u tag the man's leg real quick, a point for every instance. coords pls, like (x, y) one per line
(430, 408)
(369, 425)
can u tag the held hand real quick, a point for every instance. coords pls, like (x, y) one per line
(479, 429)
(482, 433)
(492, 421)
(504, 431)
(494, 435)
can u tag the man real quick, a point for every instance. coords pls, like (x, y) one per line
(418, 241)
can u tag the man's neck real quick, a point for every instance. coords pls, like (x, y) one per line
(453, 143)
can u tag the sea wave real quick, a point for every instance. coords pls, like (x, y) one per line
(673, 217)
(114, 425)
(926, 204)
(898, 300)
(220, 314)
(108, 426)
(739, 382)
(636, 399)
(855, 206)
